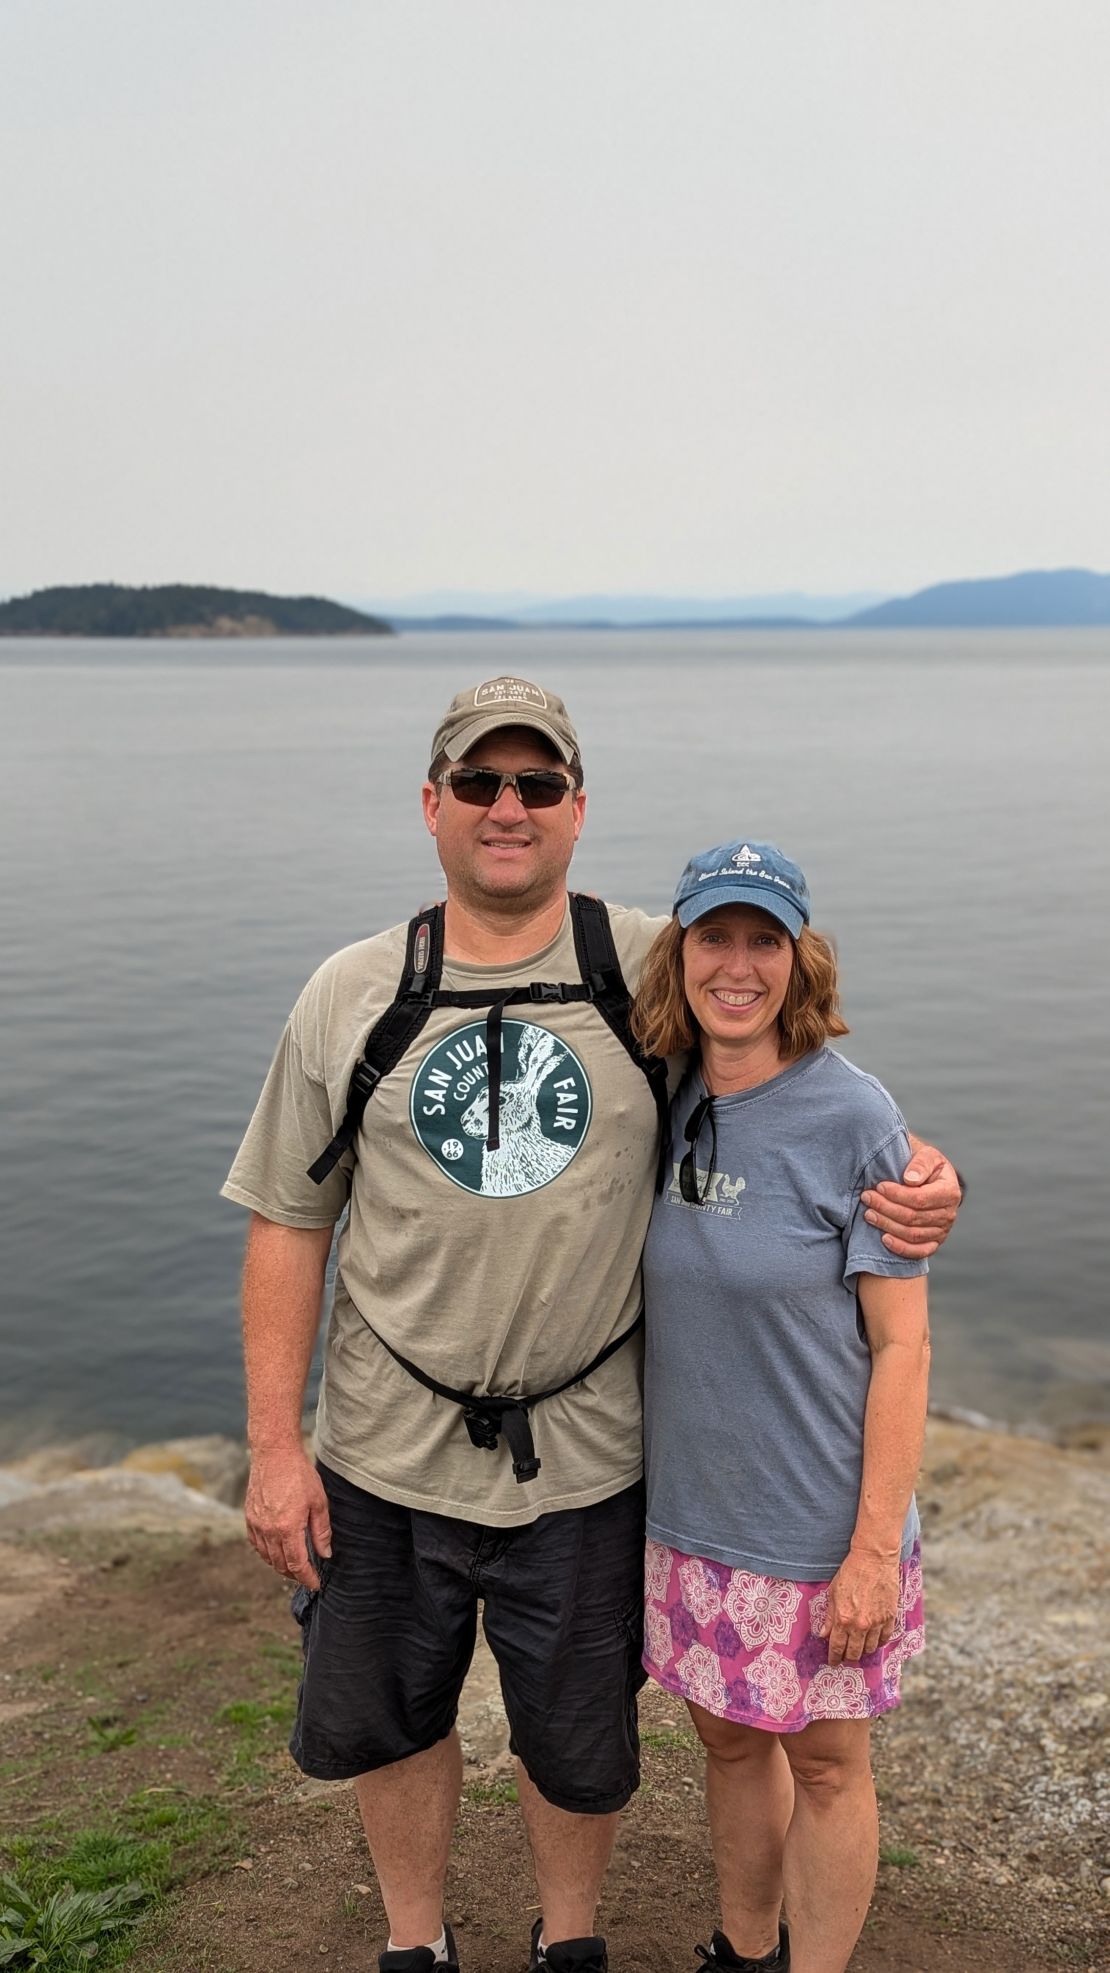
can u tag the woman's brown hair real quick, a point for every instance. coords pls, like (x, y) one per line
(663, 1024)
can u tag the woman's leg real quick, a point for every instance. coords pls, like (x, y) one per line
(749, 1795)
(832, 1845)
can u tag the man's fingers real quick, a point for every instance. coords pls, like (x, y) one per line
(295, 1562)
(287, 1554)
(898, 1202)
(319, 1528)
(270, 1552)
(910, 1250)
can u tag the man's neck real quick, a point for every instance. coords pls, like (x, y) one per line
(487, 937)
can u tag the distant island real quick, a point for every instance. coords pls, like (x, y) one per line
(111, 609)
(1037, 598)
(1034, 599)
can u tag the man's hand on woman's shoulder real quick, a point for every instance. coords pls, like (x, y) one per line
(916, 1217)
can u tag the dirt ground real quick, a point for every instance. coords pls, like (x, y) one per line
(148, 1684)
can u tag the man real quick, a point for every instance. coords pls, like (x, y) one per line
(499, 1187)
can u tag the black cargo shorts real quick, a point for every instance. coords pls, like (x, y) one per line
(389, 1635)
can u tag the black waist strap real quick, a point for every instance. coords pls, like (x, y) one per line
(488, 1417)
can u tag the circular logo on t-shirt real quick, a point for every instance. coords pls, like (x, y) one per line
(544, 1112)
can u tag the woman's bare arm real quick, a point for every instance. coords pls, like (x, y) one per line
(863, 1595)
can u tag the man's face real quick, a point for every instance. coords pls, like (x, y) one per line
(507, 854)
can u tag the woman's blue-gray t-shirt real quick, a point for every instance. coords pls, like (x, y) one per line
(757, 1365)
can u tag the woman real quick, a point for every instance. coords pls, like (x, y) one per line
(787, 1359)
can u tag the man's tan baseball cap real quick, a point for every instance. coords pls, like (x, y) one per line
(475, 714)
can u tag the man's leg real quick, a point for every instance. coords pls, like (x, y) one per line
(563, 1618)
(388, 1640)
(750, 1796)
(408, 1812)
(571, 1855)
(832, 1845)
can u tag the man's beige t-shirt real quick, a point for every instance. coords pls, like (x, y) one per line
(501, 1272)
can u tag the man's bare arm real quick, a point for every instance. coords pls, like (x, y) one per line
(916, 1217)
(283, 1287)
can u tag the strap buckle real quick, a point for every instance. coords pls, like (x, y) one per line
(483, 1430)
(541, 990)
(365, 1079)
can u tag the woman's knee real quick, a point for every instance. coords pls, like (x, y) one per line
(830, 1758)
(726, 1740)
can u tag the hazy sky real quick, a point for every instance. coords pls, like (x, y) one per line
(377, 296)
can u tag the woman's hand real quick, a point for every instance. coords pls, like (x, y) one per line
(862, 1609)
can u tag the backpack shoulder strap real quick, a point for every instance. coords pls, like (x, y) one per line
(601, 972)
(393, 1032)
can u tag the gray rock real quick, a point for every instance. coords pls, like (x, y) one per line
(14, 1487)
(212, 1465)
(157, 1503)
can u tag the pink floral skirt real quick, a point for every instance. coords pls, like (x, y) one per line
(744, 1646)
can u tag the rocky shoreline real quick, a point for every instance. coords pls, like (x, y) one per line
(992, 1775)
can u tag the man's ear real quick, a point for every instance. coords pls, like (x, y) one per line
(579, 805)
(430, 800)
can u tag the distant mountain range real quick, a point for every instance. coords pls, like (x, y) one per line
(1054, 598)
(1035, 598)
(473, 607)
(110, 609)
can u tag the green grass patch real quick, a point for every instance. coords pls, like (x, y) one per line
(900, 1857)
(666, 1739)
(107, 1733)
(62, 1906)
(286, 1653)
(490, 1794)
(65, 1930)
(261, 1729)
(68, 1901)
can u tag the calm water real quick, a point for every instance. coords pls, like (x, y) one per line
(189, 830)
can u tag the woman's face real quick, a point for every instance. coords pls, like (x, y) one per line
(737, 963)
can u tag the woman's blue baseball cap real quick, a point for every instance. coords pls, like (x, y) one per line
(743, 873)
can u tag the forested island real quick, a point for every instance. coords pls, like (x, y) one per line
(112, 609)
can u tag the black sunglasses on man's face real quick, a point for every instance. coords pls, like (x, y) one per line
(688, 1170)
(481, 787)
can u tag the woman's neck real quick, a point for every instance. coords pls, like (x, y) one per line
(727, 1070)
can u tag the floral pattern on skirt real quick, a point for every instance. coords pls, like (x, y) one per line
(745, 1647)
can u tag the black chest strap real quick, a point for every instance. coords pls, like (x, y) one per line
(393, 1033)
(486, 1418)
(419, 991)
(600, 968)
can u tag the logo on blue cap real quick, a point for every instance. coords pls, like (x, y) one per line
(744, 873)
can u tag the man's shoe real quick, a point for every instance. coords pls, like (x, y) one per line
(567, 1955)
(719, 1953)
(420, 1959)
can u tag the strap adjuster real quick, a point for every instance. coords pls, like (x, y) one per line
(483, 1430)
(365, 1078)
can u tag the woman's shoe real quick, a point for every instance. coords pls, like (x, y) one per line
(718, 1953)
